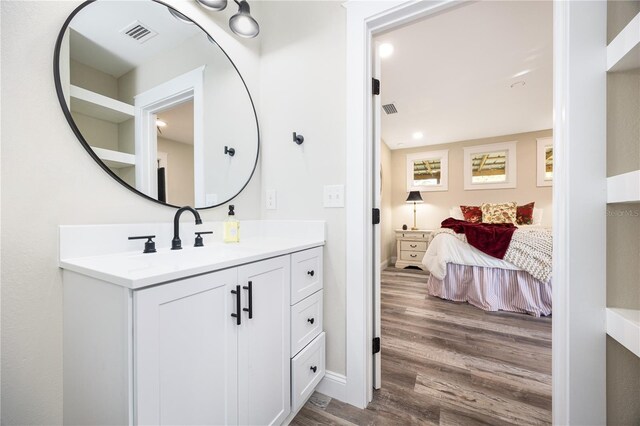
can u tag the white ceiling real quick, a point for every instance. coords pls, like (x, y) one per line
(450, 75)
(97, 40)
(179, 121)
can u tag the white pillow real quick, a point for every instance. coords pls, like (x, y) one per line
(456, 213)
(537, 216)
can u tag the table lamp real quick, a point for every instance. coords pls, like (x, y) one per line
(414, 197)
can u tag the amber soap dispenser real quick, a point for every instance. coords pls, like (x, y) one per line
(231, 227)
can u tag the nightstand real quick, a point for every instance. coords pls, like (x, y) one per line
(411, 247)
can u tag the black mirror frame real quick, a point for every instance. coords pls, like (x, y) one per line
(85, 144)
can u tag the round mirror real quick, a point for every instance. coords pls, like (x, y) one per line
(156, 102)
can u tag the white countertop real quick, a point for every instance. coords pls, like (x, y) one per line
(135, 270)
(104, 251)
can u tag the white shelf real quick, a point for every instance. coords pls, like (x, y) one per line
(624, 326)
(623, 53)
(115, 159)
(624, 188)
(99, 106)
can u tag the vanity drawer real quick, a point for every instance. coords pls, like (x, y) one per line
(413, 245)
(306, 321)
(307, 369)
(306, 273)
(412, 256)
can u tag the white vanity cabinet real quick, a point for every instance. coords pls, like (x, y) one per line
(214, 348)
(186, 351)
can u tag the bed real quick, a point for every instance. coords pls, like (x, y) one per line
(520, 282)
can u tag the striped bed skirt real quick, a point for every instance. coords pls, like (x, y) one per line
(493, 289)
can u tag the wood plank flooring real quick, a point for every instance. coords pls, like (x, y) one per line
(447, 363)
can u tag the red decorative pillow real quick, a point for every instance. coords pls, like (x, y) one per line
(524, 214)
(472, 214)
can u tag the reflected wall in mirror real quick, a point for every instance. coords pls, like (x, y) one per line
(490, 166)
(156, 102)
(428, 171)
(545, 162)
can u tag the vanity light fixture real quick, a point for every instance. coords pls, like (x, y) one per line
(242, 23)
(217, 5)
(161, 123)
(415, 198)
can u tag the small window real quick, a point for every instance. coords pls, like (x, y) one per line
(428, 171)
(490, 166)
(545, 162)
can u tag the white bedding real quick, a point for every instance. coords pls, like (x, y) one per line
(446, 248)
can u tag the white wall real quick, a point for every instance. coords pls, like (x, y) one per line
(303, 86)
(48, 179)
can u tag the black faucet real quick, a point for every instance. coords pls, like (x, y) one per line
(176, 244)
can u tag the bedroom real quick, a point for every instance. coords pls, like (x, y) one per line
(468, 332)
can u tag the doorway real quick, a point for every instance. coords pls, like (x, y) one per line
(579, 118)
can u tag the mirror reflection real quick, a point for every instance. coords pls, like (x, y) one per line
(157, 102)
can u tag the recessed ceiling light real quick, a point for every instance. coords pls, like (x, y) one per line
(161, 123)
(418, 135)
(385, 50)
(518, 84)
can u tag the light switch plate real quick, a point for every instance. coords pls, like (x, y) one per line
(334, 196)
(272, 202)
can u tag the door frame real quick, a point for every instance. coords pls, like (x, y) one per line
(579, 200)
(189, 85)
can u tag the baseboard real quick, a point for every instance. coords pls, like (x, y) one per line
(333, 385)
(384, 264)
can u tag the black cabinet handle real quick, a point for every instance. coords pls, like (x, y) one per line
(313, 368)
(249, 287)
(237, 315)
(413, 255)
(310, 272)
(311, 320)
(413, 245)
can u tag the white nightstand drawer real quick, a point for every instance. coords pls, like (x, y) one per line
(413, 245)
(306, 321)
(414, 256)
(306, 273)
(307, 369)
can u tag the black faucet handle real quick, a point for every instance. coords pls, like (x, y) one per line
(150, 245)
(199, 241)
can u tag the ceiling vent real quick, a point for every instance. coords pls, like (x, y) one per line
(139, 32)
(390, 109)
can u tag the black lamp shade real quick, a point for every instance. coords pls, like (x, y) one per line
(414, 197)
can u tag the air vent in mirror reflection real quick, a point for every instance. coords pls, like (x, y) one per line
(139, 32)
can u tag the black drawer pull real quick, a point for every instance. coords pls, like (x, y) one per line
(413, 255)
(311, 320)
(237, 315)
(413, 245)
(249, 287)
(311, 272)
(313, 368)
